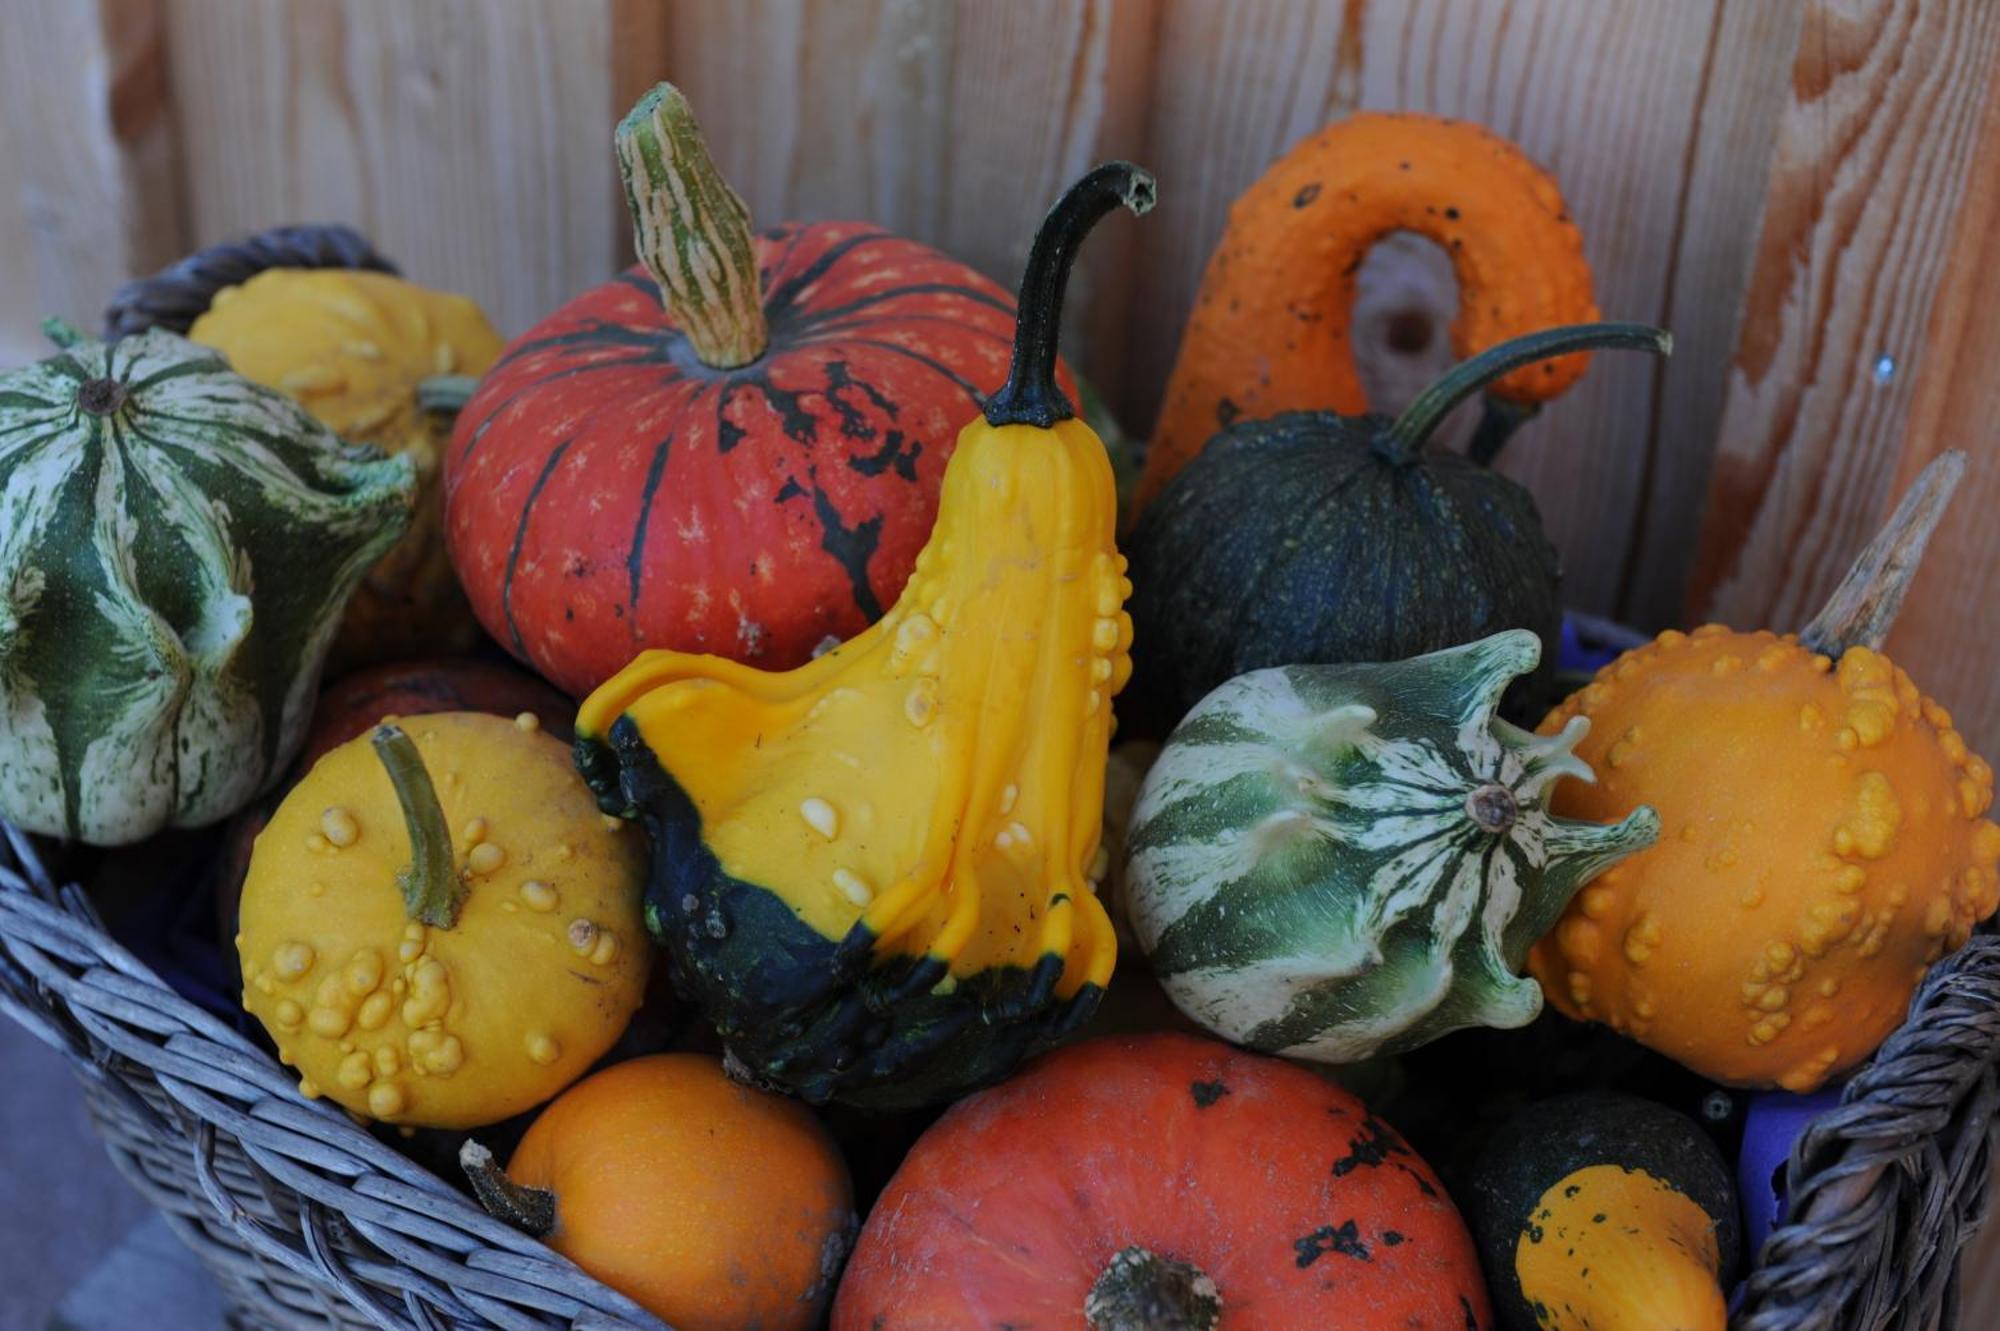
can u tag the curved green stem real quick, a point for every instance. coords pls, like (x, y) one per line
(432, 892)
(1497, 423)
(1030, 395)
(530, 1210)
(1863, 607)
(692, 231)
(446, 393)
(1404, 440)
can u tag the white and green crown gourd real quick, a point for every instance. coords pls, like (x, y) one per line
(1335, 862)
(176, 547)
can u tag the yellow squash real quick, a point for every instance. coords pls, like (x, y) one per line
(352, 346)
(438, 928)
(876, 870)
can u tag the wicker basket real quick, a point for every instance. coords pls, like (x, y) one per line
(307, 1221)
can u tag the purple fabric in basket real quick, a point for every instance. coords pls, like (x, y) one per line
(1771, 1124)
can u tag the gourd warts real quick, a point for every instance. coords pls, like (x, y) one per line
(1877, 860)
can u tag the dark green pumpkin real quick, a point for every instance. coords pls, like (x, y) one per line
(1316, 538)
(1591, 1208)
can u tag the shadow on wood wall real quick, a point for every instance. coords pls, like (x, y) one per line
(1803, 192)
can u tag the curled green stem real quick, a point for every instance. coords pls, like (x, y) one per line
(1403, 441)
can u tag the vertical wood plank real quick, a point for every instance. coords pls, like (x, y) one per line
(952, 124)
(87, 156)
(1733, 136)
(1874, 155)
(1617, 98)
(1950, 625)
(469, 138)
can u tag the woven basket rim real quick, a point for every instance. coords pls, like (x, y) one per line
(120, 1027)
(1885, 1189)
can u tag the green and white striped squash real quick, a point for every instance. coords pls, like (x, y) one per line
(176, 547)
(1336, 861)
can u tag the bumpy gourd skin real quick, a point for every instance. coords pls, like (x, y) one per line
(352, 347)
(876, 869)
(444, 1027)
(1272, 325)
(1823, 842)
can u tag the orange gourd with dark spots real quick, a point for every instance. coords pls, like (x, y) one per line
(1162, 1180)
(714, 1206)
(1823, 841)
(1271, 326)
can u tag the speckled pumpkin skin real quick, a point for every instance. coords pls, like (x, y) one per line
(1272, 324)
(444, 1028)
(1304, 1209)
(606, 492)
(1823, 841)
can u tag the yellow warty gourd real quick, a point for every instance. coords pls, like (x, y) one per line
(352, 346)
(439, 929)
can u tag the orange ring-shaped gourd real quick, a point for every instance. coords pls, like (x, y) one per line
(1271, 328)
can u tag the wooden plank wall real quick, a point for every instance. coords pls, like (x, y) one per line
(1794, 188)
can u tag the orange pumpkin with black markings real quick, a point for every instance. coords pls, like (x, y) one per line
(1162, 1180)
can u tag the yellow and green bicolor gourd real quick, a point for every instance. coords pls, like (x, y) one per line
(1334, 862)
(176, 547)
(877, 871)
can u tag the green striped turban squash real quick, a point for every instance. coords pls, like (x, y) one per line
(1333, 862)
(176, 547)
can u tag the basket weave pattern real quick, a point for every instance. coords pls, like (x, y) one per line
(307, 1221)
(303, 1217)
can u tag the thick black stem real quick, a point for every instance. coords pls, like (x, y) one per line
(1030, 395)
(1863, 607)
(530, 1210)
(1403, 442)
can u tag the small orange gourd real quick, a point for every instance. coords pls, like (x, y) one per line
(1271, 328)
(1824, 835)
(714, 1206)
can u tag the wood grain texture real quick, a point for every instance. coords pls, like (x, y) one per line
(1949, 630)
(1873, 161)
(468, 138)
(1616, 98)
(956, 125)
(91, 193)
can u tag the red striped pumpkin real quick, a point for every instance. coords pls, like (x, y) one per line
(733, 448)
